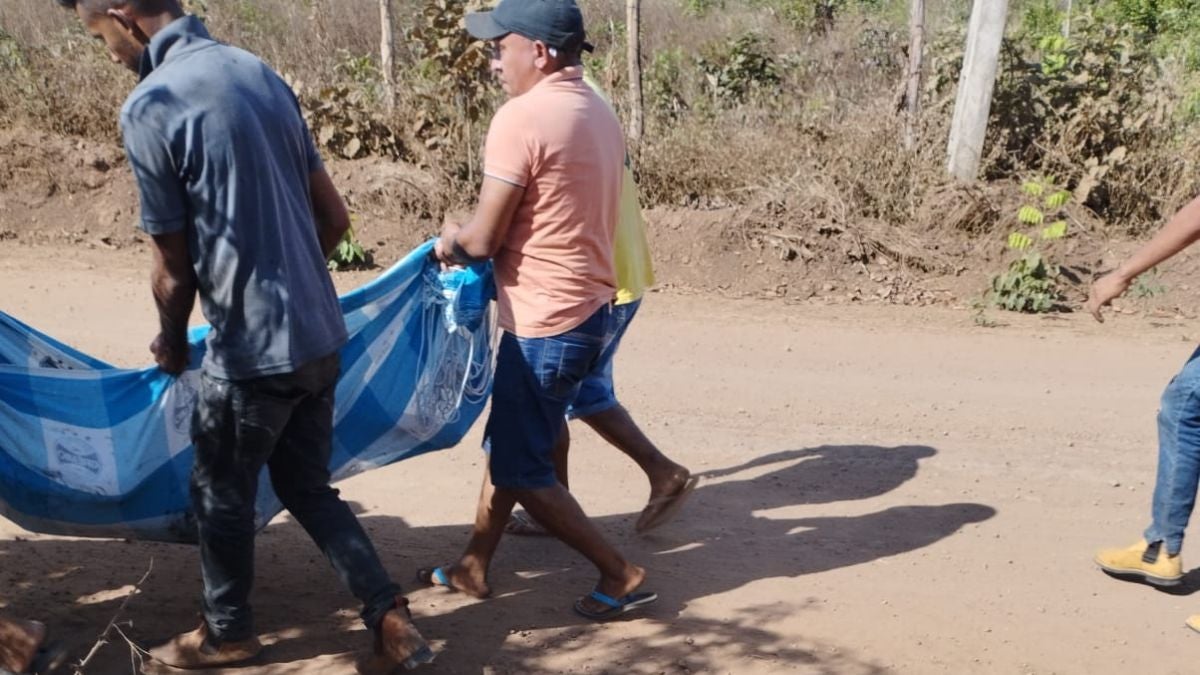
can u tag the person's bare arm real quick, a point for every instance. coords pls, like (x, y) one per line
(173, 284)
(1181, 231)
(480, 238)
(333, 220)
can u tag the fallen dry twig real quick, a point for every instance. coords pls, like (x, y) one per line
(112, 623)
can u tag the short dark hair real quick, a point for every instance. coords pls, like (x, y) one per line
(570, 56)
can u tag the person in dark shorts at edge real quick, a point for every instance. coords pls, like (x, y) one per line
(546, 215)
(242, 212)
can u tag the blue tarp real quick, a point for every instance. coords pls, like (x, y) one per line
(87, 449)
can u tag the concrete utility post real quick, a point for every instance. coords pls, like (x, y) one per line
(916, 61)
(387, 47)
(974, 102)
(633, 21)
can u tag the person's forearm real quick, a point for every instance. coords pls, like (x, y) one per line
(174, 296)
(329, 211)
(473, 244)
(468, 252)
(480, 238)
(1181, 231)
(452, 247)
(330, 232)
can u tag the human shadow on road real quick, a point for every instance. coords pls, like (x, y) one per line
(735, 540)
(830, 473)
(725, 539)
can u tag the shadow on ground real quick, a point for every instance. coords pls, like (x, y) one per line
(1187, 586)
(723, 541)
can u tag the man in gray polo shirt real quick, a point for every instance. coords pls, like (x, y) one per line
(242, 211)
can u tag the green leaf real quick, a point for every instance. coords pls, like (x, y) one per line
(1056, 230)
(1019, 242)
(1058, 199)
(1030, 215)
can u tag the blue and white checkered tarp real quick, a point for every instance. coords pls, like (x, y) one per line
(87, 449)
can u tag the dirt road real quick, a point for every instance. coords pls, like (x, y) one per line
(887, 490)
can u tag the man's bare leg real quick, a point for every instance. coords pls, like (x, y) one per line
(557, 510)
(470, 574)
(616, 426)
(562, 449)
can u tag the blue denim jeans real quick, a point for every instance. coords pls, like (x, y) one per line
(283, 422)
(597, 392)
(536, 380)
(1178, 458)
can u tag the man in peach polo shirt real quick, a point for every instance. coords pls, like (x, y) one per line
(553, 169)
(596, 403)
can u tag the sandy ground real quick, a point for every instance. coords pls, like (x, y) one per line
(886, 490)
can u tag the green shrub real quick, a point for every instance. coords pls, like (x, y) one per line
(738, 68)
(664, 84)
(1030, 284)
(349, 253)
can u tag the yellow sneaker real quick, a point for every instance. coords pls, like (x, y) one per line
(1148, 562)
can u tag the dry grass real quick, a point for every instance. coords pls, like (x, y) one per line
(812, 159)
(62, 80)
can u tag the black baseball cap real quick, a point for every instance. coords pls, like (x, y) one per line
(557, 23)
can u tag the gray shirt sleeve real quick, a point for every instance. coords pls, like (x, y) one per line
(160, 187)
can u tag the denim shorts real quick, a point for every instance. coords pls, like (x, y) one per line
(536, 380)
(596, 393)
